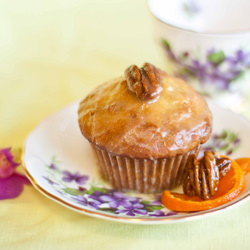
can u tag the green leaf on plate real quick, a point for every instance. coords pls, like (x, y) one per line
(232, 137)
(94, 189)
(145, 202)
(153, 208)
(186, 71)
(150, 208)
(166, 44)
(217, 57)
(73, 191)
(110, 210)
(241, 75)
(224, 148)
(224, 134)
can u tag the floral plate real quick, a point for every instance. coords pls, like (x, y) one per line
(60, 164)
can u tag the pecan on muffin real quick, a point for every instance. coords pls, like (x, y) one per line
(145, 127)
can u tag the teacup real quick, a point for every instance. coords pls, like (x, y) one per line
(208, 44)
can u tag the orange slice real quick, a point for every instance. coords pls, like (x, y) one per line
(229, 188)
(244, 163)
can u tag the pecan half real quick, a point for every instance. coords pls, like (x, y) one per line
(223, 164)
(203, 176)
(145, 82)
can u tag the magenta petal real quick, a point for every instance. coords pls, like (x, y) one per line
(22, 179)
(12, 186)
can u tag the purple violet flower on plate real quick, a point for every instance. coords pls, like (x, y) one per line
(83, 201)
(132, 210)
(240, 57)
(157, 213)
(53, 166)
(117, 199)
(79, 179)
(49, 180)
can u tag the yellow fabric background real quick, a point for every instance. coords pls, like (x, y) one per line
(53, 52)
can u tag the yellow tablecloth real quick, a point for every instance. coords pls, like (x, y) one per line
(53, 52)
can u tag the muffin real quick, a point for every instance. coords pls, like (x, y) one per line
(144, 128)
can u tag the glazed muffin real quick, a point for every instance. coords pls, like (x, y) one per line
(144, 128)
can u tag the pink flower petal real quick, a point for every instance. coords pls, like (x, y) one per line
(12, 186)
(22, 179)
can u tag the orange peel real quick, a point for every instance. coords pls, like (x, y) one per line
(244, 163)
(230, 186)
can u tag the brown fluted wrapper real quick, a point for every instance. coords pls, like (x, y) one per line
(143, 175)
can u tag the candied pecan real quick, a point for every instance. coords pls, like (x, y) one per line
(223, 164)
(145, 82)
(203, 176)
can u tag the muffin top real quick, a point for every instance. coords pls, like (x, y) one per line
(145, 114)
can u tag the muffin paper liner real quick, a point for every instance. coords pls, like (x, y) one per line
(143, 175)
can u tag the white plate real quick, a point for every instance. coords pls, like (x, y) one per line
(55, 151)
